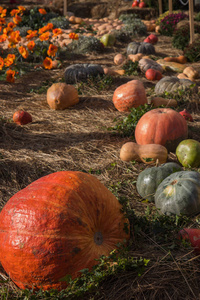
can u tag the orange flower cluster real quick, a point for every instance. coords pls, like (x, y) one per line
(42, 11)
(23, 51)
(10, 76)
(52, 50)
(73, 36)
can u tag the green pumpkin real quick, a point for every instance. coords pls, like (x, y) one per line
(108, 40)
(179, 194)
(188, 153)
(149, 179)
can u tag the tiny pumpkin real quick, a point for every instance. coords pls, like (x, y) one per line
(152, 74)
(21, 117)
(119, 59)
(61, 95)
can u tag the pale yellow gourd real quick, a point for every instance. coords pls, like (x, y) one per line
(148, 154)
(158, 101)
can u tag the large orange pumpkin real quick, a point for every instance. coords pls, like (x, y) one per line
(128, 95)
(56, 227)
(161, 126)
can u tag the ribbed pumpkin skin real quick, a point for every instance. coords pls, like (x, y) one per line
(179, 193)
(162, 126)
(128, 95)
(149, 179)
(144, 48)
(81, 72)
(57, 226)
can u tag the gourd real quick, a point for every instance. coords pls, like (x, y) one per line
(21, 117)
(113, 72)
(193, 236)
(179, 194)
(147, 154)
(57, 226)
(147, 63)
(152, 39)
(163, 126)
(158, 101)
(180, 59)
(149, 179)
(135, 57)
(188, 153)
(61, 95)
(173, 84)
(191, 73)
(81, 72)
(144, 48)
(186, 115)
(119, 59)
(128, 95)
(152, 74)
(108, 40)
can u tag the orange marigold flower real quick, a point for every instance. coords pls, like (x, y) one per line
(7, 30)
(31, 34)
(47, 63)
(57, 31)
(3, 38)
(49, 26)
(11, 25)
(21, 8)
(52, 50)
(42, 11)
(1, 63)
(44, 36)
(8, 61)
(14, 12)
(73, 36)
(14, 37)
(17, 19)
(12, 56)
(3, 13)
(10, 76)
(31, 45)
(1, 9)
(23, 51)
(2, 21)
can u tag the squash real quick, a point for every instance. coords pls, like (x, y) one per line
(21, 117)
(61, 95)
(179, 194)
(56, 226)
(81, 72)
(186, 115)
(119, 59)
(113, 72)
(108, 40)
(135, 57)
(163, 126)
(152, 74)
(173, 84)
(193, 236)
(171, 66)
(191, 73)
(149, 179)
(188, 153)
(182, 76)
(147, 154)
(147, 63)
(128, 95)
(180, 59)
(136, 47)
(158, 101)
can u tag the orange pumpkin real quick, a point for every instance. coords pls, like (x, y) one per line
(163, 126)
(57, 226)
(128, 95)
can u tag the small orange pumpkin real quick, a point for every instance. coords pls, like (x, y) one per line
(128, 95)
(61, 95)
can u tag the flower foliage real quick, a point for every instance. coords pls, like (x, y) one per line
(168, 24)
(37, 47)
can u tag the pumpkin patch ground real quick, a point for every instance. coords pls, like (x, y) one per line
(87, 137)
